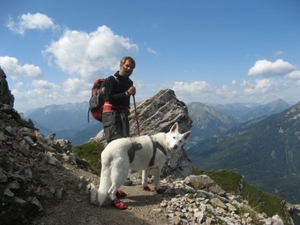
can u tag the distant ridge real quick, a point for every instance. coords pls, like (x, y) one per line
(266, 110)
(264, 150)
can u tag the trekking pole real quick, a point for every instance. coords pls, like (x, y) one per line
(136, 117)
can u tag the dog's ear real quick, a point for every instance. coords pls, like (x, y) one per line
(174, 127)
(187, 134)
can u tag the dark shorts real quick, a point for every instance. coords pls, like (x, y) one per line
(115, 125)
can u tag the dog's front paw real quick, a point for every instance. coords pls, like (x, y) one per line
(147, 188)
(160, 191)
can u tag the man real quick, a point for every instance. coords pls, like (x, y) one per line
(117, 92)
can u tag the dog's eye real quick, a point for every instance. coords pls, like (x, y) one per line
(174, 137)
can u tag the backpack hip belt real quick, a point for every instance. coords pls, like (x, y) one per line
(107, 107)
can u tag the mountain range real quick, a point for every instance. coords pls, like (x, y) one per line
(244, 112)
(266, 150)
(68, 121)
(214, 120)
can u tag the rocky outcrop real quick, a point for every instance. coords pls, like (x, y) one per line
(158, 114)
(5, 95)
(199, 200)
(30, 169)
(30, 164)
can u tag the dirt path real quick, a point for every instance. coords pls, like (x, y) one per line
(75, 207)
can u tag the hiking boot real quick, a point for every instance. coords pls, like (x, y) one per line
(128, 182)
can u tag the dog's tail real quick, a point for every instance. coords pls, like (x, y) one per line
(105, 183)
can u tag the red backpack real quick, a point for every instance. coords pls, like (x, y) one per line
(97, 100)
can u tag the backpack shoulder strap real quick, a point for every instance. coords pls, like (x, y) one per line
(116, 78)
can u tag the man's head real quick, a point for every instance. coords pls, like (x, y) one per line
(127, 65)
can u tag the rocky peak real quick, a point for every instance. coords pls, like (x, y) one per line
(159, 113)
(5, 95)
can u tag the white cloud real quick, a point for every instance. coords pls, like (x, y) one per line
(36, 97)
(226, 92)
(19, 84)
(199, 91)
(260, 91)
(139, 84)
(75, 85)
(44, 84)
(27, 21)
(294, 74)
(41, 93)
(12, 67)
(261, 87)
(193, 88)
(42, 97)
(279, 53)
(269, 69)
(245, 83)
(78, 52)
(150, 50)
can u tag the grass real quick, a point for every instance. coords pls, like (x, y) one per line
(91, 152)
(260, 201)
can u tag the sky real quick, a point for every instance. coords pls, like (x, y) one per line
(208, 51)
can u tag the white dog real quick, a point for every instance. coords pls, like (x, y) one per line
(140, 153)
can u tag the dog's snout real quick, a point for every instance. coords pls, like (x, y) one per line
(175, 146)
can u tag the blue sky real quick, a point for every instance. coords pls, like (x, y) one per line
(207, 51)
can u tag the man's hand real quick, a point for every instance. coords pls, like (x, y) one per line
(131, 90)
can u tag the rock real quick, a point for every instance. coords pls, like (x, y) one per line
(8, 193)
(52, 160)
(3, 177)
(159, 113)
(181, 208)
(36, 202)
